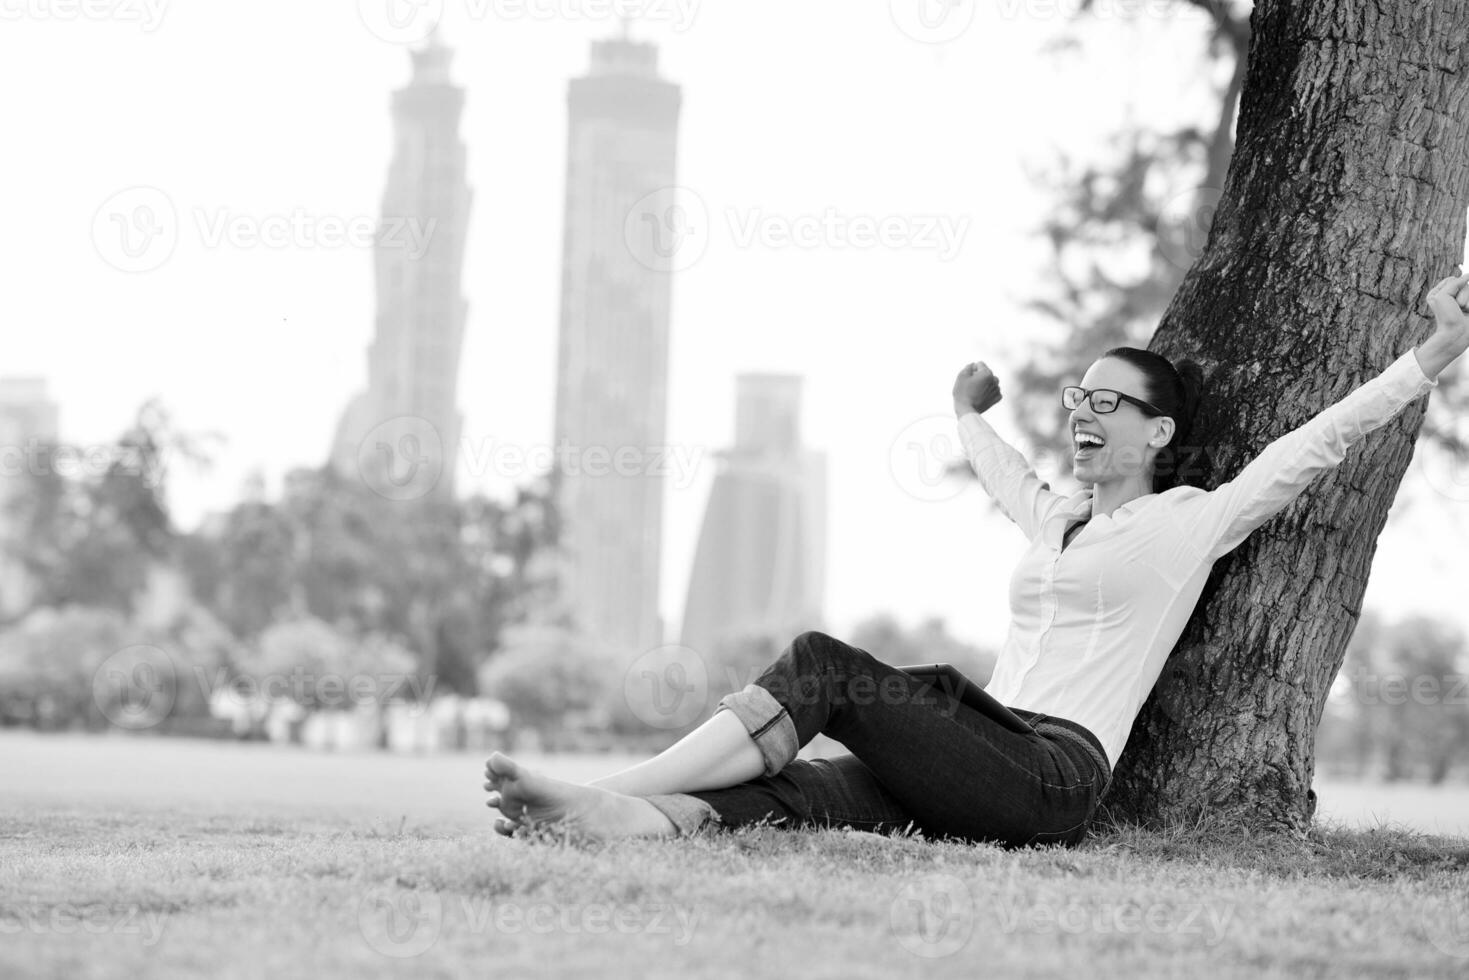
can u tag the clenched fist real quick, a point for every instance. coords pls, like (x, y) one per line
(975, 389)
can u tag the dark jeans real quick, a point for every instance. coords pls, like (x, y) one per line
(920, 759)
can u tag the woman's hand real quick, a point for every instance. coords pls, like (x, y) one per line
(1447, 300)
(975, 389)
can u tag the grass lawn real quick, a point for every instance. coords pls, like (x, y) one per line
(168, 860)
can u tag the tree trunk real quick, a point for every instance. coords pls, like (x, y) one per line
(1345, 202)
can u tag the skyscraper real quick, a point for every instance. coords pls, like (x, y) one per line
(28, 421)
(761, 560)
(410, 408)
(612, 359)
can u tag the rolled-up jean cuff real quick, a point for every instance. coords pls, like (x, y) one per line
(768, 723)
(689, 814)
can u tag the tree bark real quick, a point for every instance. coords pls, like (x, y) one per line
(1344, 203)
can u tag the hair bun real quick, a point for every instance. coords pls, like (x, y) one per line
(1192, 374)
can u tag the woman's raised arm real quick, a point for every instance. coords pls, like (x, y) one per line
(1004, 473)
(1218, 521)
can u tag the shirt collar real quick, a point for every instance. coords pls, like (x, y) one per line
(1083, 504)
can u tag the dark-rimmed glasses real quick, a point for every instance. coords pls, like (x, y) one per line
(1104, 400)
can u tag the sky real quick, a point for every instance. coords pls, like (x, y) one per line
(265, 128)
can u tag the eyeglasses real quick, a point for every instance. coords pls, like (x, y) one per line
(1104, 400)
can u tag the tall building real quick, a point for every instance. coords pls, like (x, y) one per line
(413, 360)
(612, 359)
(761, 559)
(28, 421)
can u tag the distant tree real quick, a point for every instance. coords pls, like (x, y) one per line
(446, 577)
(91, 538)
(1419, 698)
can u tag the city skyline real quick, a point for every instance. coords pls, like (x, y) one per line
(262, 340)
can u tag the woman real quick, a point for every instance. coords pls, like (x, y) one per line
(1098, 601)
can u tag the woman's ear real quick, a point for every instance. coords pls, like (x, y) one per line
(1164, 432)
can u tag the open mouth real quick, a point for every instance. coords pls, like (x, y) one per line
(1087, 445)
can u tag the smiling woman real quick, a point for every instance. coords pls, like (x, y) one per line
(1130, 420)
(1091, 626)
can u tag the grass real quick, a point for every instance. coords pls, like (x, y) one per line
(88, 892)
(155, 857)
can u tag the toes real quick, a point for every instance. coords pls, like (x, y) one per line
(501, 766)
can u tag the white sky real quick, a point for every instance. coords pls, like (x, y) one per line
(271, 109)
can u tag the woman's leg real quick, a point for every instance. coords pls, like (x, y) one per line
(950, 769)
(718, 753)
(836, 792)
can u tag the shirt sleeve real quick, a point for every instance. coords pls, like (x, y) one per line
(1219, 521)
(1007, 476)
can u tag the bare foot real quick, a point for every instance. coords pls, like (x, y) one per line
(528, 799)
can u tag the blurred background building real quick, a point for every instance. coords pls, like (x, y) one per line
(413, 360)
(612, 355)
(760, 566)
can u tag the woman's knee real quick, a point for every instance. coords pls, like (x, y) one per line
(814, 644)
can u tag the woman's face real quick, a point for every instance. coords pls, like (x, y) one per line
(1131, 437)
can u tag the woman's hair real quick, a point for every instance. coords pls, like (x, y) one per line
(1176, 391)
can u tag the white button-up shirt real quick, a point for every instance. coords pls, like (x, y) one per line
(1091, 626)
